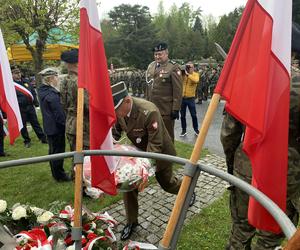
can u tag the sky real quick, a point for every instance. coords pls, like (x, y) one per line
(213, 7)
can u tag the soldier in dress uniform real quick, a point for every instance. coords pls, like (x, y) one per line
(27, 102)
(144, 126)
(69, 100)
(239, 164)
(166, 92)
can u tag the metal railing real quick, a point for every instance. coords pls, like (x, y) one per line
(281, 218)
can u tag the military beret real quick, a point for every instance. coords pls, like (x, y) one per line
(15, 69)
(119, 92)
(49, 72)
(160, 47)
(70, 56)
(296, 37)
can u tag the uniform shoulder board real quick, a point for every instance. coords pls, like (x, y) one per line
(173, 62)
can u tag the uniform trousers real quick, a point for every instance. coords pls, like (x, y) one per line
(241, 231)
(166, 179)
(169, 124)
(29, 115)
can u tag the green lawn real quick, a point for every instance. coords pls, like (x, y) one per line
(34, 184)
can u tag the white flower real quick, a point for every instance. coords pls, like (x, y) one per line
(37, 211)
(45, 217)
(71, 247)
(18, 213)
(3, 206)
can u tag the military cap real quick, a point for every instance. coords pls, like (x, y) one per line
(15, 69)
(70, 56)
(49, 72)
(296, 37)
(160, 47)
(119, 92)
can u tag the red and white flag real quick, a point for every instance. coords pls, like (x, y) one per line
(93, 76)
(8, 98)
(255, 83)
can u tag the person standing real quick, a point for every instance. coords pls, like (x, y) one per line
(238, 164)
(144, 127)
(69, 100)
(190, 82)
(27, 102)
(54, 120)
(166, 92)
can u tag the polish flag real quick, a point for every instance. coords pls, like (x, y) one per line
(8, 98)
(255, 83)
(94, 77)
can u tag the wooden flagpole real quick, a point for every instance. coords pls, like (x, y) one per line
(294, 242)
(78, 167)
(166, 241)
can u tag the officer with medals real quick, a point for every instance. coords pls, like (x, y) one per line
(27, 101)
(144, 126)
(166, 89)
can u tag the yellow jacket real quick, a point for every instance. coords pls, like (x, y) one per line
(190, 84)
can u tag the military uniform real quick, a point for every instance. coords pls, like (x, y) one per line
(146, 130)
(69, 102)
(231, 134)
(27, 109)
(166, 92)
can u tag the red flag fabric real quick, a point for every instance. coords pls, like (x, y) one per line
(255, 83)
(8, 98)
(93, 76)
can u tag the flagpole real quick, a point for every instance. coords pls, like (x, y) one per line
(78, 169)
(166, 241)
(294, 242)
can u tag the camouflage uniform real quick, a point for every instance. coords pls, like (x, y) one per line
(231, 134)
(69, 102)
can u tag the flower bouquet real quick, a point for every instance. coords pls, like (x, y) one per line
(36, 228)
(131, 172)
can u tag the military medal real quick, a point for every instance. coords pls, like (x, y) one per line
(138, 140)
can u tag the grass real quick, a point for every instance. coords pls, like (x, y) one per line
(33, 184)
(208, 230)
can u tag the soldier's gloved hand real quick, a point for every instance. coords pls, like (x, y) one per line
(175, 114)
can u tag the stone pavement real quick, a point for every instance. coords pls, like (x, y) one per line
(156, 204)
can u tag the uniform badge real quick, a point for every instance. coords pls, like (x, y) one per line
(178, 72)
(138, 140)
(154, 125)
(160, 75)
(26, 85)
(146, 112)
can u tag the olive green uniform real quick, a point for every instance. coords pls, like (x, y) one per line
(166, 92)
(231, 135)
(69, 101)
(146, 130)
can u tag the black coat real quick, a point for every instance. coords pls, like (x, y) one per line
(26, 103)
(54, 118)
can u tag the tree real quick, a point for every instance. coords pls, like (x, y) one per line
(24, 17)
(134, 35)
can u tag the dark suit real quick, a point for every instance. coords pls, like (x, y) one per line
(146, 130)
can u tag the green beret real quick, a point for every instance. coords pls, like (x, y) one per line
(70, 56)
(160, 47)
(119, 92)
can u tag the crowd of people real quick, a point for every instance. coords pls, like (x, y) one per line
(168, 90)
